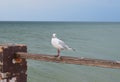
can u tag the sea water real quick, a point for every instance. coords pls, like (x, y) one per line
(90, 39)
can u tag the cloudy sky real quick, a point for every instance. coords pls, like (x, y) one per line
(60, 10)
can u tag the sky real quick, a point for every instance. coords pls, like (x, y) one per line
(60, 10)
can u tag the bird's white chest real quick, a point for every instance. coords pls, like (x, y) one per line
(55, 43)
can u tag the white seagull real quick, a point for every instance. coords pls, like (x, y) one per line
(59, 44)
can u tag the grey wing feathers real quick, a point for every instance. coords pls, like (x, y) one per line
(63, 44)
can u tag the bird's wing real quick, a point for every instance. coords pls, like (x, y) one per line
(63, 44)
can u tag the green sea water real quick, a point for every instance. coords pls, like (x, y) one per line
(90, 39)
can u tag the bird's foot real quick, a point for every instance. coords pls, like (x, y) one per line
(58, 57)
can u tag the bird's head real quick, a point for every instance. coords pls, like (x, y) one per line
(54, 35)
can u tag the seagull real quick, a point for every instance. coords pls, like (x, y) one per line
(59, 44)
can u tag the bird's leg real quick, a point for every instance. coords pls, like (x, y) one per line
(58, 53)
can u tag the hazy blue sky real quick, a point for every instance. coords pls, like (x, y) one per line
(60, 10)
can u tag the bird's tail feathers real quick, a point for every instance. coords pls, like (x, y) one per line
(71, 49)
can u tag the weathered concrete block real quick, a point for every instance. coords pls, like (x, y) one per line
(10, 69)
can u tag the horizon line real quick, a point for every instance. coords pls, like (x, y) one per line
(67, 21)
